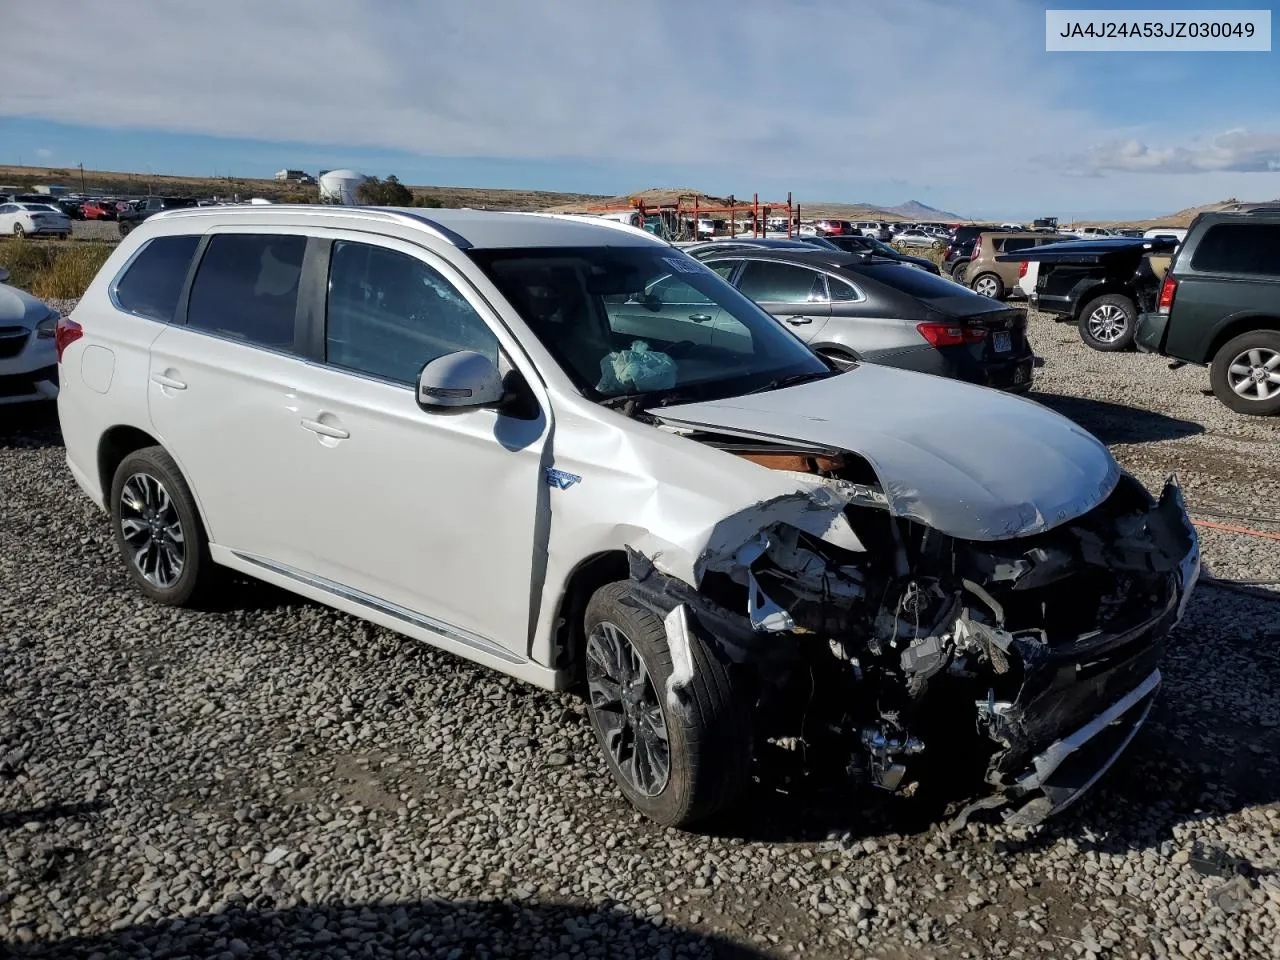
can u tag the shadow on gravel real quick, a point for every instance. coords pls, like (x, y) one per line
(50, 812)
(432, 928)
(29, 426)
(1118, 422)
(1212, 744)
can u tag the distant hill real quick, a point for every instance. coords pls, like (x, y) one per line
(915, 210)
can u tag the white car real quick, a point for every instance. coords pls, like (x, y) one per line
(562, 448)
(917, 238)
(33, 220)
(28, 358)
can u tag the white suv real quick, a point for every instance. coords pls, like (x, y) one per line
(560, 447)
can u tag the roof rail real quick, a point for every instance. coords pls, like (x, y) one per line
(385, 214)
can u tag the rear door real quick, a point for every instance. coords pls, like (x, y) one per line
(795, 294)
(223, 388)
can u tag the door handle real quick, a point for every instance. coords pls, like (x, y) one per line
(796, 321)
(324, 429)
(169, 382)
(700, 317)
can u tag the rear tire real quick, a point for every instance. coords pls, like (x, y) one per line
(158, 529)
(707, 740)
(124, 229)
(1239, 364)
(988, 285)
(18, 231)
(1109, 323)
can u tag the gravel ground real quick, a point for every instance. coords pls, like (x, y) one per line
(276, 779)
(95, 230)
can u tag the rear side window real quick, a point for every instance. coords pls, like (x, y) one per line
(767, 282)
(246, 288)
(915, 283)
(1013, 244)
(153, 282)
(390, 314)
(1248, 248)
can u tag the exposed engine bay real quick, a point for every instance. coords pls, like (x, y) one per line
(888, 651)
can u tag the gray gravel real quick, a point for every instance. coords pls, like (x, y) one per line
(276, 779)
(95, 230)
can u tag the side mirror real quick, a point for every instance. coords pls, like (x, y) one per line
(4, 275)
(457, 380)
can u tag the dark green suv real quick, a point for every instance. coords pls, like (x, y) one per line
(1219, 305)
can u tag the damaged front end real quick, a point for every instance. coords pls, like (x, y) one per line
(884, 649)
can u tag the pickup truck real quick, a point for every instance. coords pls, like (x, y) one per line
(1099, 285)
(142, 209)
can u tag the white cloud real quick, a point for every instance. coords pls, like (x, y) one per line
(1236, 151)
(44, 153)
(827, 96)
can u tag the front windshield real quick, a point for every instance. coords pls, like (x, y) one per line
(646, 322)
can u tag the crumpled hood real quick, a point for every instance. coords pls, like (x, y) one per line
(20, 308)
(970, 462)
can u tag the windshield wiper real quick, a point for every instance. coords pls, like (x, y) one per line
(791, 380)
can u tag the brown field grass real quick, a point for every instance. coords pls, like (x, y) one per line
(53, 270)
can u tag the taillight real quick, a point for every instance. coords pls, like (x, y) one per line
(951, 334)
(1022, 269)
(1167, 290)
(65, 334)
(977, 249)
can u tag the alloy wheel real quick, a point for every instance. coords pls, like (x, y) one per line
(1255, 374)
(628, 710)
(986, 286)
(153, 530)
(1108, 323)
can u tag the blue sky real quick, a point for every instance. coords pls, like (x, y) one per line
(954, 104)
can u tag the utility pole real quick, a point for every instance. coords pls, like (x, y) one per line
(82, 189)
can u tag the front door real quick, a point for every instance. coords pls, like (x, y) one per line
(434, 513)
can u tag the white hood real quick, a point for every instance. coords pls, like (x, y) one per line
(970, 462)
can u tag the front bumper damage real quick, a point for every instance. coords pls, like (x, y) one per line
(886, 654)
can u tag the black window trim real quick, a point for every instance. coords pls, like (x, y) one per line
(300, 343)
(786, 263)
(180, 310)
(1249, 276)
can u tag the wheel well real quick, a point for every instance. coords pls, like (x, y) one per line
(589, 576)
(116, 444)
(1235, 328)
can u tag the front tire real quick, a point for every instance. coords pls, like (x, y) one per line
(18, 231)
(124, 229)
(1245, 373)
(958, 270)
(988, 285)
(1109, 323)
(158, 529)
(676, 762)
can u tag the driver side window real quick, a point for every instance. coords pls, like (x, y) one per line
(389, 314)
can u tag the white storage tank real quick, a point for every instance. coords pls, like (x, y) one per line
(339, 186)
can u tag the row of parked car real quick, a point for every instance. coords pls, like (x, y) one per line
(38, 215)
(713, 521)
